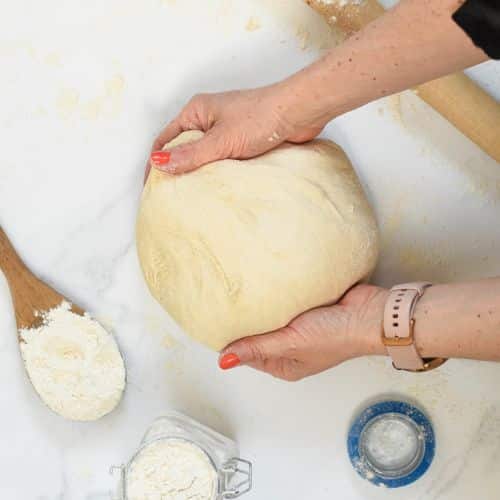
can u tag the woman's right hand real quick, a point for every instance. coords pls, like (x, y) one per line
(316, 340)
(237, 124)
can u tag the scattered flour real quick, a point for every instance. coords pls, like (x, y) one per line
(303, 36)
(253, 24)
(171, 469)
(74, 364)
(364, 470)
(274, 137)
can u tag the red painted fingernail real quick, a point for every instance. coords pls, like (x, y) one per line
(229, 361)
(160, 157)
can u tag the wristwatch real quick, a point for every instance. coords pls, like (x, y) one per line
(398, 330)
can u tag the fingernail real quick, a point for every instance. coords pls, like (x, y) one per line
(160, 157)
(229, 361)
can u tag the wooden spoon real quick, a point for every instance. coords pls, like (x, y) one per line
(33, 299)
(31, 296)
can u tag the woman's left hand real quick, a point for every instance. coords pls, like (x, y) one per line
(316, 340)
(238, 124)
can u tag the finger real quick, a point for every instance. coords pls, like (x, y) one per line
(170, 132)
(182, 159)
(146, 173)
(290, 370)
(255, 350)
(269, 353)
(194, 116)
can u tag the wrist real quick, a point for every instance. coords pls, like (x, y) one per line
(368, 329)
(372, 342)
(400, 325)
(307, 99)
(431, 338)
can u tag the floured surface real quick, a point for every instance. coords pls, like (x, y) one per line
(74, 364)
(73, 222)
(308, 26)
(171, 470)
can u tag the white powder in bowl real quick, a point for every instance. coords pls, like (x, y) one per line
(74, 364)
(391, 443)
(171, 469)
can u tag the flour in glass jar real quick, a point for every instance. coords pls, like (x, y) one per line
(171, 469)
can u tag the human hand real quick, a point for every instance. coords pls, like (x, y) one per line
(316, 340)
(237, 124)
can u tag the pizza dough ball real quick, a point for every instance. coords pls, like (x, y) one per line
(239, 248)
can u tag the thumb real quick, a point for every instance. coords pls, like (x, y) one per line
(187, 157)
(255, 350)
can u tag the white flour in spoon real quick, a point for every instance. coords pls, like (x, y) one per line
(171, 469)
(74, 364)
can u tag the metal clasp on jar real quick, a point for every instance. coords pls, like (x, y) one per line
(235, 479)
(121, 485)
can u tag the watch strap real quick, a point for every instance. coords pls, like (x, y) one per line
(398, 326)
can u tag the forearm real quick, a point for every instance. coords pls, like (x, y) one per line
(415, 42)
(460, 321)
(455, 321)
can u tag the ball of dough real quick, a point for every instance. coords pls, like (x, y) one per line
(239, 248)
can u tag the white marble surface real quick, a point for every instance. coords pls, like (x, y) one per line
(84, 88)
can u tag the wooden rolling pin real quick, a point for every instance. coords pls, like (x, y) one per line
(456, 97)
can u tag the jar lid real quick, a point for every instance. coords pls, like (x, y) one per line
(391, 444)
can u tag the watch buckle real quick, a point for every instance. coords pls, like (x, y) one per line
(399, 341)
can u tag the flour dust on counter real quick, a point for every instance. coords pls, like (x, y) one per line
(74, 364)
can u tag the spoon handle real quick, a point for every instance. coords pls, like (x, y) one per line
(10, 262)
(29, 294)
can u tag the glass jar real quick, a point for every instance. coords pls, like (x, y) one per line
(391, 443)
(234, 475)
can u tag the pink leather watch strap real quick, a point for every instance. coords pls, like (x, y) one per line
(398, 326)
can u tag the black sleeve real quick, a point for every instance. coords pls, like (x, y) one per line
(480, 19)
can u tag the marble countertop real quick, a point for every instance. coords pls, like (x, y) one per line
(85, 86)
